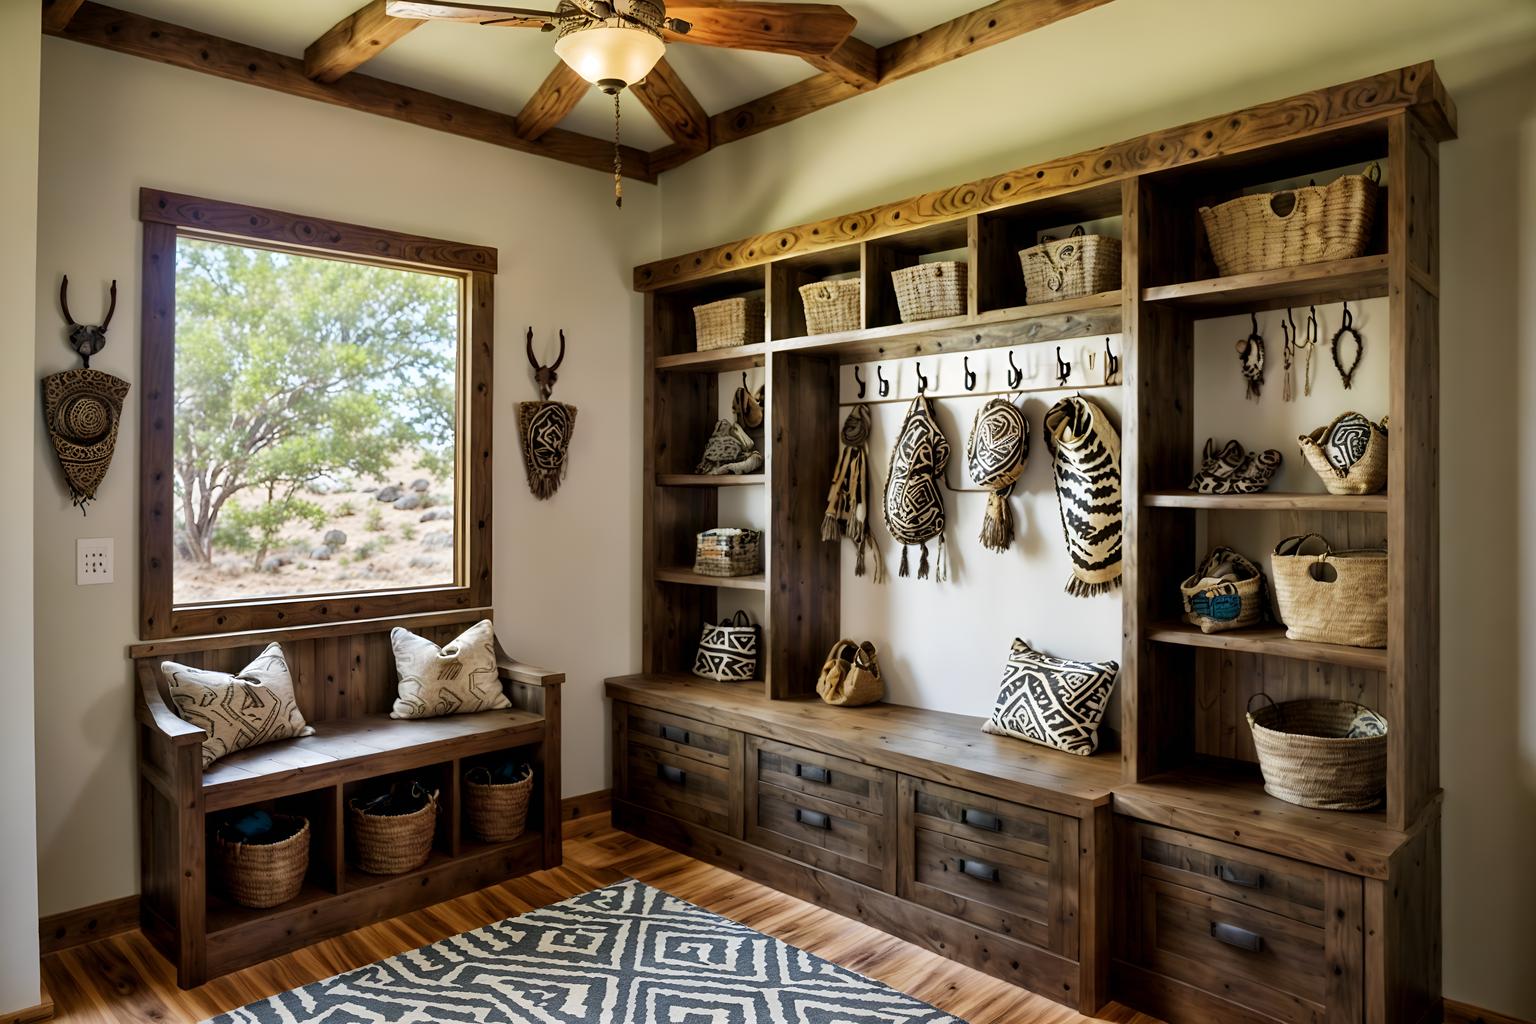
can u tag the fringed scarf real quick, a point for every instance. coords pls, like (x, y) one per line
(1085, 454)
(995, 455)
(914, 502)
(848, 500)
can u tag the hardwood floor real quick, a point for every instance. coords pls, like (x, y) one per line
(122, 979)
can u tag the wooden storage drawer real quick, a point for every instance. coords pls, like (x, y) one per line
(1270, 883)
(688, 789)
(826, 776)
(1002, 866)
(675, 735)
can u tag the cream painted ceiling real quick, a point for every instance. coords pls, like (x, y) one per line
(500, 68)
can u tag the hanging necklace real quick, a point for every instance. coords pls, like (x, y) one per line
(1347, 327)
(1250, 355)
(1288, 329)
(1311, 346)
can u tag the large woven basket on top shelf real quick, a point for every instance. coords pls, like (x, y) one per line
(1329, 754)
(1331, 597)
(930, 290)
(832, 306)
(497, 811)
(390, 844)
(1071, 267)
(729, 552)
(265, 875)
(728, 323)
(1269, 230)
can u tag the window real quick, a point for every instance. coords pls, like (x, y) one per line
(316, 420)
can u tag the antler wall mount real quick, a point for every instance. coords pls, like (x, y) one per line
(545, 427)
(82, 407)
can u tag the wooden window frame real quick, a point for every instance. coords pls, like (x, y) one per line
(167, 216)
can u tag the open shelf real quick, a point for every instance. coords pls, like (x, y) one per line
(224, 914)
(698, 579)
(706, 480)
(1268, 501)
(715, 360)
(1362, 278)
(1269, 640)
(354, 880)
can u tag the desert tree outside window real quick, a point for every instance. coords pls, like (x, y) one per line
(315, 441)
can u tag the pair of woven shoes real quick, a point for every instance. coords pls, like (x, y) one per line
(1234, 469)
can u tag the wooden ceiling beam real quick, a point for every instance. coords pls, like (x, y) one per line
(56, 13)
(855, 62)
(354, 40)
(995, 23)
(111, 29)
(556, 97)
(674, 107)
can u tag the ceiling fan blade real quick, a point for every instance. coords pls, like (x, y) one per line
(796, 29)
(475, 14)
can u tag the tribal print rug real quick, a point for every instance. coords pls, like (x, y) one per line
(626, 954)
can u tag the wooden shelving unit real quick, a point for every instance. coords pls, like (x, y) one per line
(1176, 770)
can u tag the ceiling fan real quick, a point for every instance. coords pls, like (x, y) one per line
(614, 44)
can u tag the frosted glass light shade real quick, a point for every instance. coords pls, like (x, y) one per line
(609, 52)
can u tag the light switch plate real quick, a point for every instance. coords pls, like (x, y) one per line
(93, 561)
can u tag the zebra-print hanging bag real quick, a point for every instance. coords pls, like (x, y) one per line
(1085, 454)
(914, 499)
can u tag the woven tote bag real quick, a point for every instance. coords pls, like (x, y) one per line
(1071, 267)
(851, 675)
(1320, 752)
(1227, 592)
(1332, 597)
(728, 652)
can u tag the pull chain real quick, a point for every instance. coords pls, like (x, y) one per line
(618, 161)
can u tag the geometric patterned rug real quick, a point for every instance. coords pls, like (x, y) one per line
(625, 954)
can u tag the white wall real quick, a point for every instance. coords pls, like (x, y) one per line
(564, 591)
(19, 71)
(972, 117)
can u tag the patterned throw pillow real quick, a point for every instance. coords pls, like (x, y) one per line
(1052, 701)
(252, 707)
(458, 679)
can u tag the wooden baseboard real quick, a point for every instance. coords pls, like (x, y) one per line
(87, 924)
(1462, 1013)
(600, 802)
(33, 1014)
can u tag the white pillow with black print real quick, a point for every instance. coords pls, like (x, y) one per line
(1052, 701)
(459, 678)
(244, 709)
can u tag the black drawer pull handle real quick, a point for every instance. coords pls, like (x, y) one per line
(667, 773)
(1247, 881)
(1241, 938)
(814, 819)
(814, 772)
(981, 819)
(673, 733)
(976, 869)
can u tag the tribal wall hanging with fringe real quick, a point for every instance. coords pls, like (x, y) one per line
(545, 428)
(848, 499)
(82, 407)
(1085, 456)
(996, 454)
(914, 500)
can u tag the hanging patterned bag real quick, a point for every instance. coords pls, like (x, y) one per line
(996, 454)
(728, 652)
(1333, 597)
(1085, 455)
(851, 675)
(914, 503)
(1227, 592)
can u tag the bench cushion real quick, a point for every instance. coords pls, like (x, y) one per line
(458, 678)
(252, 707)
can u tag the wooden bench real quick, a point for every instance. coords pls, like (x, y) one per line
(345, 683)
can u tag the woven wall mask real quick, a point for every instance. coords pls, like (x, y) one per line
(545, 427)
(82, 408)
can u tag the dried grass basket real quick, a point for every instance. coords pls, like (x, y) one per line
(1366, 475)
(391, 844)
(832, 306)
(728, 323)
(1331, 597)
(1329, 754)
(1071, 267)
(930, 290)
(1217, 604)
(1269, 230)
(497, 811)
(729, 552)
(262, 875)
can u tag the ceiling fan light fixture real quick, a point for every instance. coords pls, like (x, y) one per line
(612, 54)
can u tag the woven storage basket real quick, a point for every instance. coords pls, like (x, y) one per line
(831, 306)
(729, 552)
(930, 290)
(390, 844)
(1335, 597)
(265, 875)
(497, 811)
(1219, 606)
(1330, 754)
(1268, 230)
(1071, 267)
(1367, 475)
(728, 323)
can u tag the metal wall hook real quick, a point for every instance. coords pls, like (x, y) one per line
(1015, 375)
(922, 381)
(885, 385)
(970, 375)
(859, 379)
(1111, 364)
(1063, 368)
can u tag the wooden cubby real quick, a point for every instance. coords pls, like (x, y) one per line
(1185, 759)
